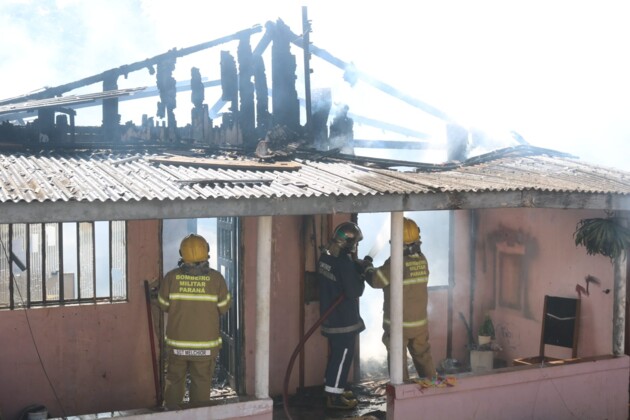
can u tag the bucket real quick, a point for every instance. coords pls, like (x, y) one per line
(34, 412)
(38, 415)
(481, 361)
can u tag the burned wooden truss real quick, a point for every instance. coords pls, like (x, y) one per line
(249, 125)
(244, 88)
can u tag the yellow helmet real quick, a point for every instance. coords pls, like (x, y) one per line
(411, 232)
(194, 248)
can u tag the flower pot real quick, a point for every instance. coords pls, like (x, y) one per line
(484, 339)
(481, 361)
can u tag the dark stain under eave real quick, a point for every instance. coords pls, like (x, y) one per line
(456, 200)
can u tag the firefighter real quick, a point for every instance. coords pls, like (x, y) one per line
(194, 296)
(415, 300)
(340, 273)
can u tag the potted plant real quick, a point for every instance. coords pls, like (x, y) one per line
(485, 334)
(482, 355)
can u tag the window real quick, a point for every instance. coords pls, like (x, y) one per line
(510, 250)
(44, 264)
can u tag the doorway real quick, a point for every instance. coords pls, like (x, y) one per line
(224, 237)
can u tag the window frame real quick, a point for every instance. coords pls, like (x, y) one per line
(117, 263)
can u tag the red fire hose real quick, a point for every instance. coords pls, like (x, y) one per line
(285, 393)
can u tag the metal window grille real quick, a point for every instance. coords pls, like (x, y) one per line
(50, 264)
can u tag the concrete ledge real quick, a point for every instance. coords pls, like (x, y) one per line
(592, 388)
(245, 410)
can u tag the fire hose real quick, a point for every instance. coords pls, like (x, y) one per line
(285, 393)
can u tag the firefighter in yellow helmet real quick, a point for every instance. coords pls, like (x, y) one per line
(194, 296)
(415, 300)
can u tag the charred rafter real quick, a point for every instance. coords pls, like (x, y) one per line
(129, 68)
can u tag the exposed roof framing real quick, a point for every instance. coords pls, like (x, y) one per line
(129, 68)
(65, 101)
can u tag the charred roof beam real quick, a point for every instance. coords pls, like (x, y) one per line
(128, 68)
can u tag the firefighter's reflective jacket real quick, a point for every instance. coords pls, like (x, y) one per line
(415, 293)
(195, 296)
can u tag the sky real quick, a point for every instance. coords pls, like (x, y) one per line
(556, 72)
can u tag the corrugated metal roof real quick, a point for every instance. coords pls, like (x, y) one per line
(58, 179)
(542, 173)
(65, 101)
(95, 177)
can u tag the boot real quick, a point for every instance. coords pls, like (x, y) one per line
(349, 395)
(340, 402)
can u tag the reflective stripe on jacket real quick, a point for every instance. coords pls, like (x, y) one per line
(415, 293)
(194, 296)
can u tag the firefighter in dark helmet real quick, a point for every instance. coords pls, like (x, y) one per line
(194, 296)
(415, 301)
(340, 273)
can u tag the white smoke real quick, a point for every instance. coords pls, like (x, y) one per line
(562, 85)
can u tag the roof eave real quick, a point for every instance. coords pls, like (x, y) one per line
(60, 211)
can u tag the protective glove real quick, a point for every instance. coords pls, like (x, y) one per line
(367, 268)
(363, 265)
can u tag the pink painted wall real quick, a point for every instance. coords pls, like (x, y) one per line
(549, 234)
(286, 271)
(595, 389)
(244, 410)
(552, 265)
(97, 357)
(285, 278)
(103, 350)
(285, 310)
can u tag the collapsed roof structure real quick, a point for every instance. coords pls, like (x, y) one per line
(244, 88)
(255, 135)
